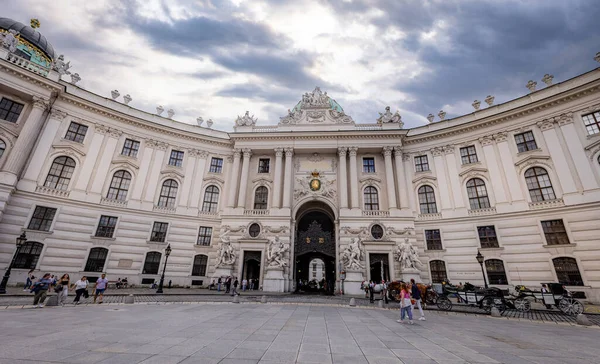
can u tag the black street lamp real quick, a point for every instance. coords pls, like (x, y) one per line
(162, 277)
(20, 241)
(480, 260)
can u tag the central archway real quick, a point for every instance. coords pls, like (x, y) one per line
(315, 241)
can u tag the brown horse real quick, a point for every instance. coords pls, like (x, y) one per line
(427, 293)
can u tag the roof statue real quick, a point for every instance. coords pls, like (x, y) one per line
(9, 40)
(246, 120)
(316, 107)
(60, 66)
(388, 117)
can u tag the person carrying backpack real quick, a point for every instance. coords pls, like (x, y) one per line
(40, 288)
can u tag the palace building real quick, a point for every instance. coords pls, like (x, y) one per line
(99, 186)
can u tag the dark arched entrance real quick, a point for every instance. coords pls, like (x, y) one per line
(315, 239)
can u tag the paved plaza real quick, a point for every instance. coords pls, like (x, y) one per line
(276, 333)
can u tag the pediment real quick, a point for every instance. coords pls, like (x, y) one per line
(532, 158)
(593, 145)
(473, 170)
(125, 163)
(262, 180)
(66, 148)
(316, 108)
(424, 178)
(214, 179)
(370, 180)
(172, 172)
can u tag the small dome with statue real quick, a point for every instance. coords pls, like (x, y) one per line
(29, 43)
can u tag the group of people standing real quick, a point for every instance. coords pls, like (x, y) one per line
(62, 286)
(409, 296)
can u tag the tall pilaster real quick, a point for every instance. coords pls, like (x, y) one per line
(110, 144)
(244, 178)
(492, 163)
(277, 181)
(440, 172)
(24, 144)
(558, 156)
(409, 175)
(235, 178)
(576, 149)
(389, 177)
(199, 176)
(508, 165)
(402, 193)
(287, 183)
(44, 145)
(455, 185)
(343, 178)
(353, 178)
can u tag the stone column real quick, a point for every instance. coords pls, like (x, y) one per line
(287, 183)
(558, 156)
(343, 178)
(402, 193)
(389, 177)
(244, 178)
(234, 179)
(277, 181)
(24, 144)
(44, 145)
(353, 178)
(576, 149)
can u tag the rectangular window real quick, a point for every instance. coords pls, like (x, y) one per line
(76, 132)
(42, 218)
(176, 158)
(159, 232)
(525, 141)
(421, 163)
(106, 227)
(433, 238)
(592, 122)
(10, 110)
(204, 235)
(468, 154)
(368, 165)
(216, 165)
(487, 236)
(130, 148)
(263, 165)
(555, 232)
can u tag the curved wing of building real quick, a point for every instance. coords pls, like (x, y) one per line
(99, 186)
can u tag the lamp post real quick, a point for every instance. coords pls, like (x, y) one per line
(480, 260)
(162, 277)
(20, 241)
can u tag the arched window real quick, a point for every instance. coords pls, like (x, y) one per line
(96, 260)
(371, 198)
(2, 147)
(539, 185)
(119, 185)
(438, 271)
(478, 196)
(199, 268)
(28, 256)
(211, 199)
(495, 271)
(60, 173)
(168, 193)
(152, 263)
(261, 196)
(567, 271)
(427, 200)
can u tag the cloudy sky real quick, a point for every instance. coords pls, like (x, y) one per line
(219, 58)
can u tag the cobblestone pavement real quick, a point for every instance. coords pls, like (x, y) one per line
(255, 333)
(254, 297)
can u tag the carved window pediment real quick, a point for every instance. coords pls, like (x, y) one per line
(172, 172)
(124, 162)
(425, 178)
(532, 158)
(67, 148)
(475, 170)
(370, 180)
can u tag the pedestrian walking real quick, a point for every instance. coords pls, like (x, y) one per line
(234, 289)
(244, 284)
(371, 287)
(100, 287)
(251, 282)
(80, 289)
(228, 284)
(64, 282)
(219, 281)
(384, 291)
(29, 280)
(405, 304)
(416, 295)
(40, 288)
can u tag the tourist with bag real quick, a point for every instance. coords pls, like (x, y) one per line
(405, 304)
(80, 289)
(29, 281)
(65, 283)
(416, 295)
(100, 286)
(40, 288)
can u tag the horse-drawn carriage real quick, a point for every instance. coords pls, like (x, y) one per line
(556, 296)
(394, 288)
(483, 298)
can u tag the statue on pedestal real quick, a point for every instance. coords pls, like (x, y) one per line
(407, 255)
(225, 254)
(275, 253)
(352, 255)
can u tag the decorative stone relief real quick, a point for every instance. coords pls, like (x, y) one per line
(315, 157)
(225, 254)
(437, 151)
(531, 85)
(388, 117)
(9, 40)
(315, 185)
(353, 255)
(546, 124)
(342, 151)
(315, 116)
(406, 157)
(501, 136)
(448, 149)
(101, 129)
(476, 104)
(61, 67)
(246, 120)
(352, 151)
(489, 100)
(292, 117)
(387, 151)
(40, 102)
(339, 116)
(407, 255)
(486, 140)
(564, 119)
(547, 79)
(57, 114)
(315, 107)
(276, 252)
(278, 152)
(362, 231)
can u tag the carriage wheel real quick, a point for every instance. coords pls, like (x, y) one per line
(394, 295)
(488, 302)
(522, 304)
(444, 303)
(570, 306)
(431, 298)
